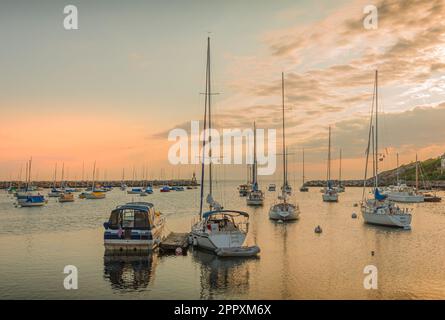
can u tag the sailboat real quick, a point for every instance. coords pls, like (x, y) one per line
(255, 197)
(219, 230)
(65, 195)
(403, 193)
(123, 186)
(54, 191)
(284, 210)
(303, 187)
(379, 209)
(95, 193)
(27, 198)
(330, 194)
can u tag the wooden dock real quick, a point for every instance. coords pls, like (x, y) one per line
(174, 241)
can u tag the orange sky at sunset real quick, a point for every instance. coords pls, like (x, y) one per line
(111, 91)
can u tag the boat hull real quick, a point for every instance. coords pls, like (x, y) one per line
(277, 212)
(406, 198)
(389, 220)
(218, 240)
(133, 246)
(330, 197)
(31, 204)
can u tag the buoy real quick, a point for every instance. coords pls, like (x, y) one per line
(372, 253)
(355, 204)
(354, 215)
(178, 251)
(318, 229)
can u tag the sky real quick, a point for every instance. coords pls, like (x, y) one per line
(112, 90)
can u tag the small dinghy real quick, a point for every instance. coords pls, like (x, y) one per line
(238, 252)
(318, 229)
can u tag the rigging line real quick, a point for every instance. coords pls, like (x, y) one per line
(369, 142)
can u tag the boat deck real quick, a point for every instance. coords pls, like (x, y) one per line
(173, 241)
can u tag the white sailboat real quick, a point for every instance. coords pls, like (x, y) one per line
(255, 197)
(380, 210)
(330, 194)
(95, 193)
(219, 230)
(405, 194)
(284, 210)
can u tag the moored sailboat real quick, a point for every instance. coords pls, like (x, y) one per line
(330, 194)
(217, 229)
(255, 197)
(379, 209)
(284, 210)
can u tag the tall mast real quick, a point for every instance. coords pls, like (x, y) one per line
(63, 171)
(83, 169)
(55, 175)
(284, 136)
(209, 92)
(303, 166)
(206, 101)
(29, 173)
(417, 174)
(329, 156)
(339, 173)
(26, 176)
(254, 167)
(376, 132)
(397, 171)
(94, 176)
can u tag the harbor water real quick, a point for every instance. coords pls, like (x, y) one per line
(295, 262)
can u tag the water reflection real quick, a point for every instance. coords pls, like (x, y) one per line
(222, 275)
(129, 273)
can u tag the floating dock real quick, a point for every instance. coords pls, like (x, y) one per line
(174, 241)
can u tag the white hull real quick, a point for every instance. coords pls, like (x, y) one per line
(278, 212)
(30, 204)
(254, 202)
(390, 220)
(216, 240)
(406, 197)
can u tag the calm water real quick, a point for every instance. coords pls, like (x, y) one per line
(295, 263)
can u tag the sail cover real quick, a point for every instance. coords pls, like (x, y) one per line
(379, 196)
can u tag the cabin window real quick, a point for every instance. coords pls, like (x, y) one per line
(128, 219)
(140, 220)
(115, 219)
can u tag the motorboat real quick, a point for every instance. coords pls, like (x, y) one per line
(133, 228)
(66, 197)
